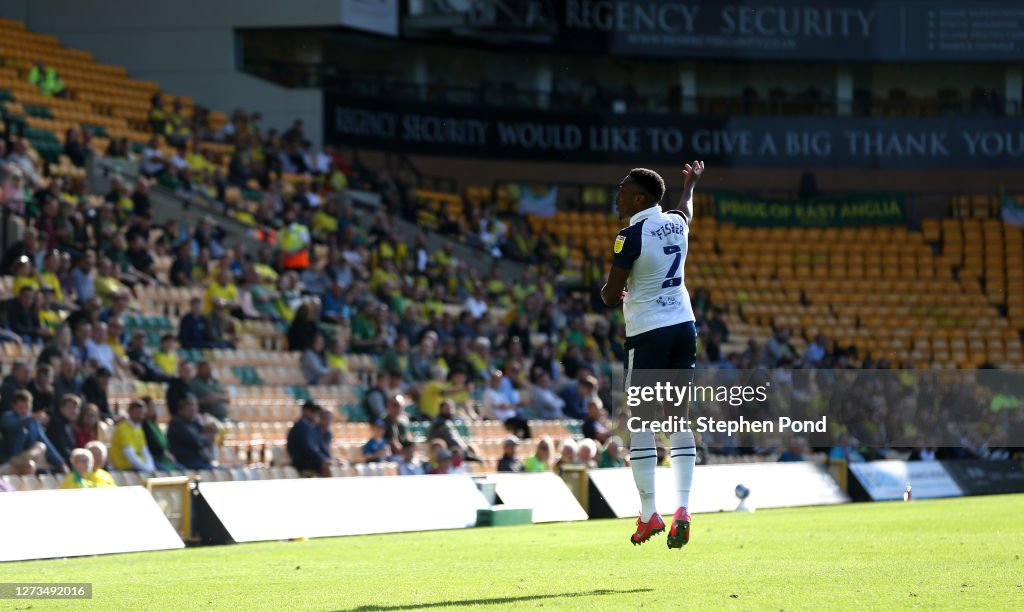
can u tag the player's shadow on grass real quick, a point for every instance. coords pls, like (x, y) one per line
(497, 600)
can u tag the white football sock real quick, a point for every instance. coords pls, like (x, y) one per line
(684, 456)
(643, 458)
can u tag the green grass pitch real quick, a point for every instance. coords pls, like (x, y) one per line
(959, 553)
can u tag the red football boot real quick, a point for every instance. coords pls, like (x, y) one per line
(679, 534)
(645, 531)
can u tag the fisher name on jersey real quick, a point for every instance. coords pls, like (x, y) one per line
(653, 248)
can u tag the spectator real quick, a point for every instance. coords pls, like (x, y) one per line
(375, 401)
(179, 387)
(778, 348)
(98, 349)
(443, 428)
(325, 424)
(28, 247)
(376, 448)
(396, 425)
(94, 391)
(21, 431)
(500, 405)
(186, 439)
(47, 80)
(596, 426)
(73, 148)
(546, 403)
(314, 365)
(140, 363)
(99, 476)
(221, 288)
(444, 462)
(128, 449)
(156, 440)
(611, 456)
(304, 443)
(61, 430)
(17, 380)
(795, 452)
(540, 460)
(586, 453)
(23, 317)
(68, 380)
(577, 394)
(213, 398)
(81, 461)
(304, 328)
(409, 466)
(87, 426)
(509, 462)
(568, 456)
(816, 351)
(166, 358)
(83, 277)
(194, 328)
(180, 274)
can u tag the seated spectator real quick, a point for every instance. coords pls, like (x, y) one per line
(443, 428)
(87, 426)
(23, 317)
(376, 448)
(577, 394)
(73, 148)
(304, 443)
(568, 456)
(186, 439)
(194, 328)
(326, 423)
(611, 456)
(94, 391)
(547, 404)
(81, 462)
(28, 247)
(128, 449)
(314, 365)
(181, 270)
(795, 452)
(166, 358)
(156, 440)
(409, 465)
(443, 462)
(107, 284)
(509, 462)
(153, 162)
(303, 328)
(596, 426)
(99, 477)
(586, 453)
(223, 288)
(17, 380)
(396, 425)
(540, 460)
(497, 404)
(816, 351)
(179, 387)
(375, 400)
(141, 363)
(21, 431)
(213, 398)
(336, 357)
(98, 349)
(61, 430)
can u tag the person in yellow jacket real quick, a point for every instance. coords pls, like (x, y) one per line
(81, 469)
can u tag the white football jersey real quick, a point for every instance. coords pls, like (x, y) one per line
(653, 248)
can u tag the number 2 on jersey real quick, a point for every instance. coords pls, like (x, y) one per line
(671, 280)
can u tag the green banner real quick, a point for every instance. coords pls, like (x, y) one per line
(838, 211)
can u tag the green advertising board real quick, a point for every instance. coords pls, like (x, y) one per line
(838, 211)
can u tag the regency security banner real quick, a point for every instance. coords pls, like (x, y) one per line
(814, 142)
(839, 211)
(888, 30)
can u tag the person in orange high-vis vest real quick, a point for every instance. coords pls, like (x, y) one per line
(294, 240)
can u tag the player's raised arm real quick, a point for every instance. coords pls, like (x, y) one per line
(691, 174)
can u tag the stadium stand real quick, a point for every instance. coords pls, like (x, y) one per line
(884, 296)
